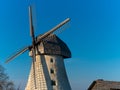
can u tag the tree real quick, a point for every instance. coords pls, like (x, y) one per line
(5, 84)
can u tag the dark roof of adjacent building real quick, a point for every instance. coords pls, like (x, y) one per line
(107, 85)
(52, 45)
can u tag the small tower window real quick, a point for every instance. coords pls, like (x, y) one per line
(51, 71)
(53, 83)
(51, 60)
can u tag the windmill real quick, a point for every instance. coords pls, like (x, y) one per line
(34, 51)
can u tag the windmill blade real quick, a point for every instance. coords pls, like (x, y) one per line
(31, 22)
(17, 54)
(32, 29)
(62, 28)
(58, 31)
(33, 62)
(33, 43)
(52, 30)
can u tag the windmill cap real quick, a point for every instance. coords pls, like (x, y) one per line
(52, 45)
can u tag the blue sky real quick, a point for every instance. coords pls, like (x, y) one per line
(93, 37)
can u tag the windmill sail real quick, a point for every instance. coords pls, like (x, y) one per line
(31, 22)
(33, 43)
(17, 54)
(42, 37)
(53, 29)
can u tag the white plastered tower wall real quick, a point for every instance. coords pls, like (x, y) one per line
(41, 78)
(50, 73)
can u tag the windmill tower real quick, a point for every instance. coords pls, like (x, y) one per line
(50, 70)
(48, 53)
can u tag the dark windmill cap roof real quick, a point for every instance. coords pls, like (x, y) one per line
(52, 45)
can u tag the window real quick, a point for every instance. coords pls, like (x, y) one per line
(51, 60)
(51, 71)
(53, 83)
